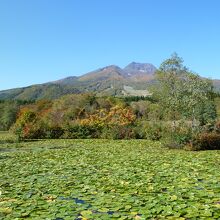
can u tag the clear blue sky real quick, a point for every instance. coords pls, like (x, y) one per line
(44, 40)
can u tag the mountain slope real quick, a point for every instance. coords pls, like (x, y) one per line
(110, 80)
(108, 72)
(134, 79)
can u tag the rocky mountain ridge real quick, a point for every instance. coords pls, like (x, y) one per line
(133, 80)
(109, 80)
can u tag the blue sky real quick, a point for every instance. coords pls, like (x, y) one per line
(45, 40)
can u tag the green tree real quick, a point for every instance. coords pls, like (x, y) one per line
(8, 112)
(197, 100)
(184, 95)
(169, 90)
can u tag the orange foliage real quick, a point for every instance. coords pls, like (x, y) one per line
(116, 116)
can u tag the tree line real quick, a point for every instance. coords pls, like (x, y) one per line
(182, 112)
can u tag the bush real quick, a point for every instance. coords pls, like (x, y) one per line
(205, 141)
(182, 134)
(118, 132)
(150, 130)
(29, 130)
(81, 132)
(217, 127)
(53, 132)
(177, 137)
(8, 137)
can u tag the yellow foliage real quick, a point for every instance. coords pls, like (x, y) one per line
(116, 115)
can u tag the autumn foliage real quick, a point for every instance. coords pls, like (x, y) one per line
(74, 116)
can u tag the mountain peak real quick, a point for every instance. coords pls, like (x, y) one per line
(134, 79)
(140, 67)
(110, 67)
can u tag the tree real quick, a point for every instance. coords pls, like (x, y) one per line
(8, 112)
(169, 88)
(197, 100)
(183, 94)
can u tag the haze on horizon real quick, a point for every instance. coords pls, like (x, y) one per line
(44, 41)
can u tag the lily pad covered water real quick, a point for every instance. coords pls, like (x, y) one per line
(103, 179)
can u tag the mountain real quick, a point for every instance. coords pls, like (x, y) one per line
(132, 80)
(140, 71)
(216, 84)
(110, 80)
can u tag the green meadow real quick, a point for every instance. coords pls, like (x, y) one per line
(107, 179)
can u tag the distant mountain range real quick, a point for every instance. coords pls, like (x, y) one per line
(132, 80)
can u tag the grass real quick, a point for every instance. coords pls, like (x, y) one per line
(103, 179)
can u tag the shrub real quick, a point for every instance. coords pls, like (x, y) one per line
(205, 141)
(177, 137)
(217, 127)
(24, 126)
(29, 130)
(118, 132)
(53, 132)
(8, 137)
(149, 130)
(182, 134)
(81, 131)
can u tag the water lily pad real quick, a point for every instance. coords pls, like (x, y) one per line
(103, 179)
(86, 213)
